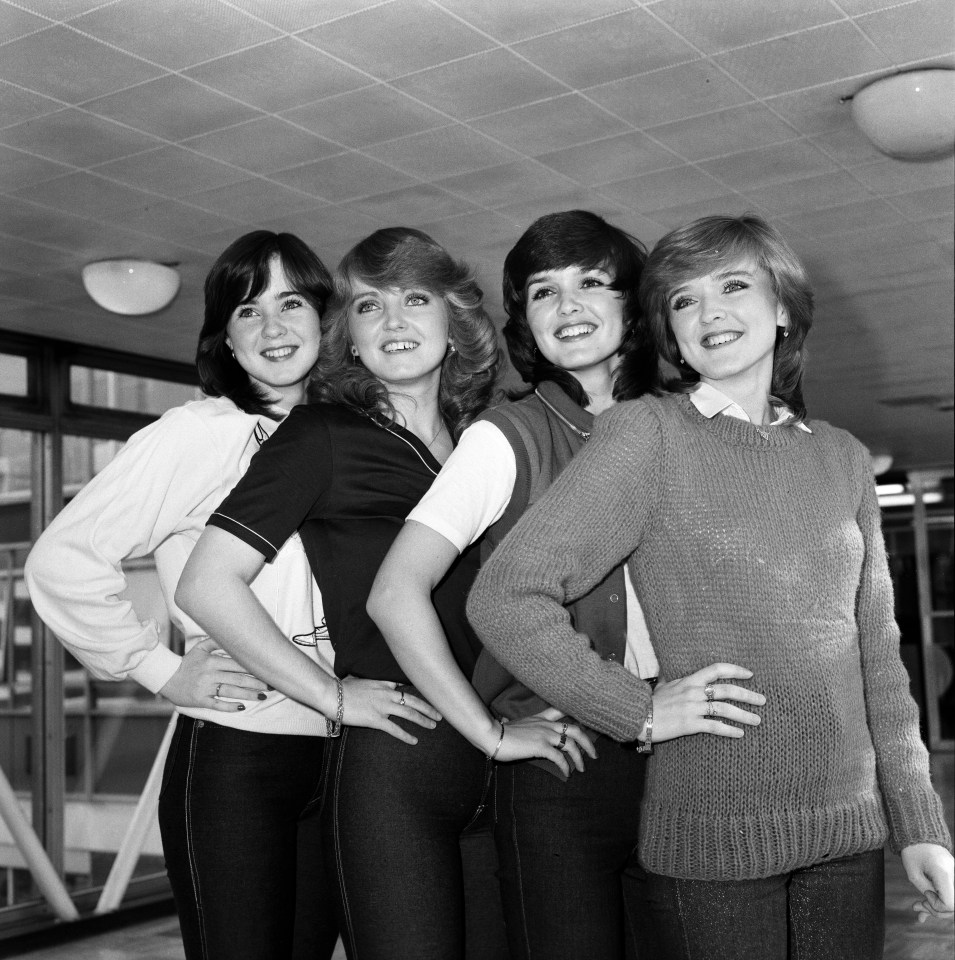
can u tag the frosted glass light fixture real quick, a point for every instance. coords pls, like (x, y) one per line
(909, 116)
(130, 287)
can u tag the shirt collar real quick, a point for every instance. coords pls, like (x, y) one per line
(710, 401)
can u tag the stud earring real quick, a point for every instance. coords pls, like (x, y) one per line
(354, 351)
(451, 347)
(785, 331)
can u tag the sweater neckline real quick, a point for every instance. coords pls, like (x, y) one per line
(742, 432)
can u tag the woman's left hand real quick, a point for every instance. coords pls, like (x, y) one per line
(931, 870)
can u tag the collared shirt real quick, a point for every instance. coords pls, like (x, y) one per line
(710, 401)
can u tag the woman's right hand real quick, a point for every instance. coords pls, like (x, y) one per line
(560, 741)
(682, 707)
(204, 676)
(372, 703)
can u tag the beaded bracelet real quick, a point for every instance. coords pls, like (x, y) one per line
(647, 745)
(493, 756)
(333, 728)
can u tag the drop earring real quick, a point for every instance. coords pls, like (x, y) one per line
(785, 331)
(354, 351)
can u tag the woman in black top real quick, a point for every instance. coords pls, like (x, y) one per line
(408, 359)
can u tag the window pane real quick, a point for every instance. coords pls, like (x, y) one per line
(16, 640)
(113, 729)
(122, 391)
(13, 374)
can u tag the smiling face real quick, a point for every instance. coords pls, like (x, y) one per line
(401, 335)
(576, 319)
(725, 325)
(275, 338)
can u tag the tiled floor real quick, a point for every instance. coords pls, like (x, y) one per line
(158, 939)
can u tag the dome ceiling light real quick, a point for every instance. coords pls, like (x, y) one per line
(130, 287)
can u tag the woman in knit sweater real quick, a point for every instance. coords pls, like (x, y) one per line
(753, 536)
(570, 294)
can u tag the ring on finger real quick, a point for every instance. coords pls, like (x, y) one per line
(710, 693)
(711, 709)
(401, 699)
(215, 696)
(563, 736)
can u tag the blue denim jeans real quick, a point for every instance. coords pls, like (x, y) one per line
(829, 911)
(239, 815)
(571, 882)
(408, 830)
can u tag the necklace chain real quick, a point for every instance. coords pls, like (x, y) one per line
(437, 434)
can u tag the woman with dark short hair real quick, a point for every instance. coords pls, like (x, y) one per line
(752, 534)
(408, 360)
(571, 883)
(239, 807)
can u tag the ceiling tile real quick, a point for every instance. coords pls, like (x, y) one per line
(17, 104)
(176, 221)
(365, 116)
(795, 160)
(803, 59)
(913, 31)
(678, 214)
(253, 199)
(397, 38)
(888, 177)
(262, 145)
(198, 110)
(726, 131)
(850, 217)
(672, 94)
(544, 127)
(520, 19)
(294, 15)
(174, 33)
(76, 137)
(664, 188)
(481, 84)
(172, 171)
(15, 23)
(714, 27)
(820, 108)
(19, 170)
(442, 153)
(85, 194)
(59, 9)
(616, 158)
(508, 183)
(527, 211)
(813, 193)
(344, 177)
(75, 68)
(608, 49)
(278, 75)
(410, 206)
(845, 146)
(923, 204)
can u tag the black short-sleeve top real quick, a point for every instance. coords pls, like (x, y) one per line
(346, 482)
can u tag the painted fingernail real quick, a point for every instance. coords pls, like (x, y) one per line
(241, 706)
(263, 696)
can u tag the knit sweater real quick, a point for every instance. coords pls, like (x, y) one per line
(749, 545)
